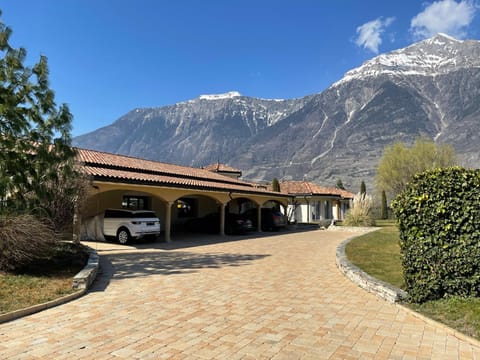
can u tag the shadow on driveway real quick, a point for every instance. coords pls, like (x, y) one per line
(131, 265)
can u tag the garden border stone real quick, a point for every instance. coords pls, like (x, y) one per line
(87, 275)
(373, 285)
(81, 281)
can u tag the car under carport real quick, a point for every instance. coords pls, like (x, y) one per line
(174, 192)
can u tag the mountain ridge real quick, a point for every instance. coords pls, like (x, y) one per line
(430, 88)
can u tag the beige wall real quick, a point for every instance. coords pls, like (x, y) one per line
(307, 209)
(105, 195)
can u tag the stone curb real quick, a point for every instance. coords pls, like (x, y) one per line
(388, 292)
(87, 275)
(83, 280)
(365, 281)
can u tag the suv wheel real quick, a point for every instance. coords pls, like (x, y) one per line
(123, 236)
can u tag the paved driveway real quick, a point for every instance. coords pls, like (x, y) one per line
(277, 297)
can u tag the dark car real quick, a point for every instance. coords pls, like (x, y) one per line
(234, 224)
(272, 219)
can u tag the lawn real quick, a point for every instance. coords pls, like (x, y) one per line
(43, 281)
(378, 254)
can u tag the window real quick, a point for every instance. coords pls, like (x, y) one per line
(135, 202)
(328, 209)
(316, 213)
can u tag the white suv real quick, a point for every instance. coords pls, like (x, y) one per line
(126, 225)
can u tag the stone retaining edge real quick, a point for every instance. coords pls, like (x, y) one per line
(365, 281)
(81, 281)
(389, 292)
(87, 275)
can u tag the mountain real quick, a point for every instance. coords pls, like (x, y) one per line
(431, 88)
(197, 132)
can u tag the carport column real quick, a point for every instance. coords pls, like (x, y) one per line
(168, 220)
(222, 219)
(259, 218)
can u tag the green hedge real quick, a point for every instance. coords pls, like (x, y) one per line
(439, 220)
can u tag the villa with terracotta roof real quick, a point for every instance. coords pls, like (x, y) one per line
(176, 193)
(313, 203)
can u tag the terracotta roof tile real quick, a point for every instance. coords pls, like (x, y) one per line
(217, 167)
(121, 161)
(124, 168)
(343, 193)
(310, 188)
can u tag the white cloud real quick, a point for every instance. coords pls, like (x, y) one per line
(369, 34)
(444, 16)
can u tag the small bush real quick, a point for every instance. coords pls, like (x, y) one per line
(361, 212)
(24, 239)
(438, 215)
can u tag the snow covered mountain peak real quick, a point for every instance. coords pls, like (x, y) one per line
(441, 38)
(228, 95)
(439, 54)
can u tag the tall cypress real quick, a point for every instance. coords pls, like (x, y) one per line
(363, 188)
(384, 214)
(275, 185)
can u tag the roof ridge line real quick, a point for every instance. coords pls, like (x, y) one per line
(227, 179)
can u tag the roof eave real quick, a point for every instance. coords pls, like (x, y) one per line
(185, 186)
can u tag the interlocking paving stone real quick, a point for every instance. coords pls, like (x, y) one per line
(270, 297)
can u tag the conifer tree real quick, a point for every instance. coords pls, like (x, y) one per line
(339, 185)
(275, 185)
(384, 214)
(363, 188)
(35, 141)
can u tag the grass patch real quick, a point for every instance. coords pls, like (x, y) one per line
(385, 223)
(378, 254)
(458, 313)
(42, 281)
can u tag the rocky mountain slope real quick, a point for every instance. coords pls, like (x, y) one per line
(431, 88)
(197, 132)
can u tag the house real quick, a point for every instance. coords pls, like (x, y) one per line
(313, 203)
(176, 193)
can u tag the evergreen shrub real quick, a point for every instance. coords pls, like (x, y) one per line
(439, 219)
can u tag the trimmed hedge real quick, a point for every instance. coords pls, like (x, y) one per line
(439, 220)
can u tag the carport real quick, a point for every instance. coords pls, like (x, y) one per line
(172, 191)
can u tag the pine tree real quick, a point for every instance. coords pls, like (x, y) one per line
(275, 185)
(35, 141)
(340, 185)
(384, 214)
(363, 188)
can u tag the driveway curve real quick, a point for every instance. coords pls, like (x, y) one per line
(275, 297)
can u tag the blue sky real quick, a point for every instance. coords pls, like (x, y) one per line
(108, 57)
